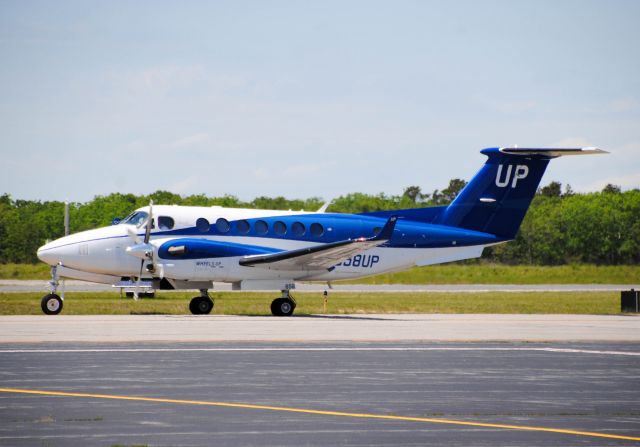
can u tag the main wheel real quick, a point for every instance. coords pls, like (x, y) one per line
(282, 307)
(51, 304)
(201, 305)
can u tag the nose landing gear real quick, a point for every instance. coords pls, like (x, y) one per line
(201, 305)
(52, 303)
(284, 306)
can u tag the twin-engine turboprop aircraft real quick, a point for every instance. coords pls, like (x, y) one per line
(180, 247)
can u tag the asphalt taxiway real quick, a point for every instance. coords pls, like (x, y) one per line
(338, 393)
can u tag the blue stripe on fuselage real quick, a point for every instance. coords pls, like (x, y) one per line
(339, 227)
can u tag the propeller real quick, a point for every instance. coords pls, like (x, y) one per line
(142, 249)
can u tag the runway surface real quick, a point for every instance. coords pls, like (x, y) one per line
(8, 286)
(292, 394)
(319, 328)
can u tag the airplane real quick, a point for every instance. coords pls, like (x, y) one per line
(170, 247)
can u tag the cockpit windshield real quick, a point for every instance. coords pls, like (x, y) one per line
(138, 219)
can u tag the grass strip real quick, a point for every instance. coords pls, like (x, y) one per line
(485, 273)
(461, 273)
(253, 303)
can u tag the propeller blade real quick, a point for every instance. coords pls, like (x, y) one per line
(147, 233)
(148, 254)
(161, 271)
(133, 235)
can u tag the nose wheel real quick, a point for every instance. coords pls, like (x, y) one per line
(51, 304)
(284, 306)
(201, 305)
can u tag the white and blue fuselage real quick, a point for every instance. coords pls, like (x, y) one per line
(215, 239)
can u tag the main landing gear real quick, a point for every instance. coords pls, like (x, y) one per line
(201, 305)
(51, 303)
(284, 306)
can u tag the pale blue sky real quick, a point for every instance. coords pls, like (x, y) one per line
(305, 99)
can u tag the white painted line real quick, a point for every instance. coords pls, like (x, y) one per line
(319, 349)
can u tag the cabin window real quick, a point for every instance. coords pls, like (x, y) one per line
(222, 225)
(202, 225)
(298, 228)
(317, 229)
(242, 226)
(261, 227)
(165, 223)
(280, 228)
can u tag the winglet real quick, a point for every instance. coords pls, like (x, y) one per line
(387, 231)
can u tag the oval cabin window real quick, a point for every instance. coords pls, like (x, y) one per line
(202, 225)
(317, 229)
(242, 226)
(298, 228)
(261, 227)
(222, 225)
(280, 228)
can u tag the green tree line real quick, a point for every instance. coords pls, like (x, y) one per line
(560, 227)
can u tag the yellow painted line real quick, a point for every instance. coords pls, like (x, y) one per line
(319, 412)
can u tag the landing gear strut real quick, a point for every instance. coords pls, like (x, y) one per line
(284, 306)
(201, 305)
(51, 303)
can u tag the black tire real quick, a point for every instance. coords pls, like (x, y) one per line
(51, 304)
(193, 305)
(201, 306)
(275, 307)
(283, 307)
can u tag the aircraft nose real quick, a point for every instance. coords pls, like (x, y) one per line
(49, 254)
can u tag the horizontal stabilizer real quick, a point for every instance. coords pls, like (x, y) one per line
(552, 152)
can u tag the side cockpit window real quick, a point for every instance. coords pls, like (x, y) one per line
(165, 223)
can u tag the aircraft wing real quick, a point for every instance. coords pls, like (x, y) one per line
(320, 257)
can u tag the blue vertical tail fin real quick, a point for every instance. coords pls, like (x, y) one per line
(496, 200)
